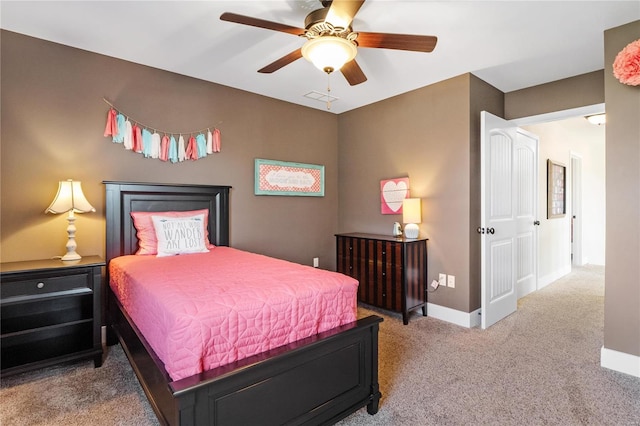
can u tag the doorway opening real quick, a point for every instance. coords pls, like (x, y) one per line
(564, 242)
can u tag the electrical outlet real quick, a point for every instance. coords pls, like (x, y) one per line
(435, 284)
(451, 281)
(316, 262)
(442, 280)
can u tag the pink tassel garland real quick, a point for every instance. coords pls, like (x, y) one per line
(112, 123)
(216, 140)
(194, 149)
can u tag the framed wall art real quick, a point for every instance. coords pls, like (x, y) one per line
(556, 189)
(285, 178)
(392, 193)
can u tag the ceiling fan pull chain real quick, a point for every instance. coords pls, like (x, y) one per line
(328, 91)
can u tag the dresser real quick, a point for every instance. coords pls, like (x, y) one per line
(50, 313)
(392, 271)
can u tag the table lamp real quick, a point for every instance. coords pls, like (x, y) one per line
(411, 216)
(70, 199)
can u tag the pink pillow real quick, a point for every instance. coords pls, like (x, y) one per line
(146, 232)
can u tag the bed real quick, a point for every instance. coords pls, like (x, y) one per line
(318, 379)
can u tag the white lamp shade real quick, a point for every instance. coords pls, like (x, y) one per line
(411, 216)
(329, 53)
(411, 212)
(70, 197)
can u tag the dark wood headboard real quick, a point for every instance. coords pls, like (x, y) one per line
(124, 197)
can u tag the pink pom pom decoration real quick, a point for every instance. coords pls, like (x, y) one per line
(626, 67)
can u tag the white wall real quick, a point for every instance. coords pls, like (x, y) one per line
(558, 141)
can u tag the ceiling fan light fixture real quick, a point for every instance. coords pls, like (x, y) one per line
(329, 53)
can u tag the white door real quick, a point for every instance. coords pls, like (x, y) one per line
(508, 216)
(526, 211)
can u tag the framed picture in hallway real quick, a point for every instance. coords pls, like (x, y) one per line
(556, 189)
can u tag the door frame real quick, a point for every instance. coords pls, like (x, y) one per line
(558, 115)
(553, 116)
(576, 209)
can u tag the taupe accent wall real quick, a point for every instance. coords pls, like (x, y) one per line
(569, 93)
(53, 119)
(430, 135)
(622, 276)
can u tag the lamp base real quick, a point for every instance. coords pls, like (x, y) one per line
(71, 241)
(411, 230)
(71, 256)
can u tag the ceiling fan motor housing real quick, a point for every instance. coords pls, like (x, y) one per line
(316, 26)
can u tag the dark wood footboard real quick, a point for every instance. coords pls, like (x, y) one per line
(317, 380)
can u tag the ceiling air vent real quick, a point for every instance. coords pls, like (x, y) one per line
(322, 97)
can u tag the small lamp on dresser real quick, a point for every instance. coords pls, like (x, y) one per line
(411, 216)
(71, 199)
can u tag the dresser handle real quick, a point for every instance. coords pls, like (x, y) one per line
(40, 285)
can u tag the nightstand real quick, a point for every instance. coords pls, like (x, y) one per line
(50, 313)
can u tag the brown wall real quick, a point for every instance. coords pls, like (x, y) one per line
(53, 118)
(573, 92)
(622, 276)
(426, 135)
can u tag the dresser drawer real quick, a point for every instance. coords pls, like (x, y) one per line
(40, 285)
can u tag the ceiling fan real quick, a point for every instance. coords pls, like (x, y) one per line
(331, 42)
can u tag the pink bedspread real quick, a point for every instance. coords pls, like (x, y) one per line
(204, 310)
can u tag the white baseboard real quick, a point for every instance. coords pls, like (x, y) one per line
(556, 275)
(463, 319)
(620, 361)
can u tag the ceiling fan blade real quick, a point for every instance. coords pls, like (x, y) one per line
(353, 73)
(261, 23)
(415, 43)
(341, 12)
(279, 63)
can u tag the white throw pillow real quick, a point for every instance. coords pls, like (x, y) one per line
(179, 235)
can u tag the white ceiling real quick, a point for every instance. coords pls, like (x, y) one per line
(509, 44)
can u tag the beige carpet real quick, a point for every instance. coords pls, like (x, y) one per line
(540, 366)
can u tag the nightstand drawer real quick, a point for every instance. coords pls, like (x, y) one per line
(43, 285)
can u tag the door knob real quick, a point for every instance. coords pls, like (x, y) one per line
(491, 231)
(536, 222)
